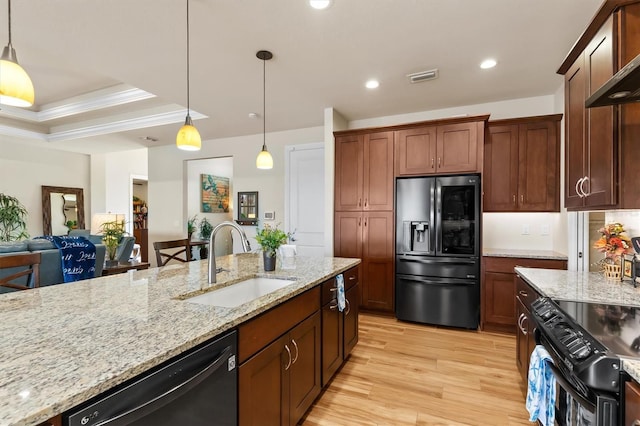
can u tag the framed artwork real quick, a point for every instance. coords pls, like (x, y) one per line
(628, 261)
(215, 194)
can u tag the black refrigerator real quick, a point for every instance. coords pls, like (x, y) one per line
(438, 250)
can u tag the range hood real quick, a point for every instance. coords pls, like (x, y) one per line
(622, 88)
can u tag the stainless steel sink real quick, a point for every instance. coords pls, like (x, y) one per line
(241, 292)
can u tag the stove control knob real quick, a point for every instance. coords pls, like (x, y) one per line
(583, 352)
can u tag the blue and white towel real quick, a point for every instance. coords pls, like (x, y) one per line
(78, 257)
(541, 392)
(340, 287)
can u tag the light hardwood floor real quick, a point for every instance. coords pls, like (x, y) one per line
(408, 374)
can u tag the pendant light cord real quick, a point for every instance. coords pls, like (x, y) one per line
(264, 104)
(9, 19)
(188, 94)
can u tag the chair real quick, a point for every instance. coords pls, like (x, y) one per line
(23, 271)
(125, 247)
(162, 245)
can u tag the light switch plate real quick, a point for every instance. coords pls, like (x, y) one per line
(269, 215)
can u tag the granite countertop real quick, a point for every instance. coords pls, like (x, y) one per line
(585, 287)
(530, 254)
(64, 344)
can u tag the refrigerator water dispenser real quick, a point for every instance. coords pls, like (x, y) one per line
(416, 236)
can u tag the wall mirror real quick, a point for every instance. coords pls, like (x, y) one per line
(248, 208)
(61, 205)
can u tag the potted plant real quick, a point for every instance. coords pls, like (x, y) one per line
(13, 219)
(112, 232)
(270, 239)
(71, 224)
(206, 228)
(192, 224)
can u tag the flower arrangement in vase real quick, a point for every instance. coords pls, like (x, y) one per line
(613, 243)
(270, 239)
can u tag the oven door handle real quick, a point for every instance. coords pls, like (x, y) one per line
(569, 389)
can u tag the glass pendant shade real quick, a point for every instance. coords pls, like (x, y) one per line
(264, 160)
(16, 88)
(188, 138)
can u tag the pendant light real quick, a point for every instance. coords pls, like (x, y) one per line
(188, 138)
(16, 88)
(264, 160)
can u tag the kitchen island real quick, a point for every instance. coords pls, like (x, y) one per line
(61, 345)
(585, 287)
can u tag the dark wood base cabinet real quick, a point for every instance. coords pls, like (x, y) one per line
(499, 306)
(339, 329)
(287, 354)
(631, 404)
(525, 341)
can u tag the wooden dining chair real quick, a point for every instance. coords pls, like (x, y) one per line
(23, 271)
(163, 257)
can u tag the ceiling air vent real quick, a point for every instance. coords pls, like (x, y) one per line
(421, 76)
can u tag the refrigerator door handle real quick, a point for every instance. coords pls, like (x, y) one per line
(461, 261)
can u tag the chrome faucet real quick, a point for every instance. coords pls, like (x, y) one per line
(212, 256)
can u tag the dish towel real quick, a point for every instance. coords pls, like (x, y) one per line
(340, 287)
(541, 391)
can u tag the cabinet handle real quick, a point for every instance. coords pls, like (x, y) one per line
(365, 222)
(523, 293)
(585, 179)
(365, 202)
(636, 422)
(359, 202)
(578, 182)
(524, 318)
(438, 162)
(333, 307)
(295, 345)
(348, 307)
(514, 199)
(521, 199)
(432, 163)
(520, 321)
(289, 363)
(359, 221)
(333, 289)
(351, 278)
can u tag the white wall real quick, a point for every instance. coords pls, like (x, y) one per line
(111, 182)
(24, 169)
(167, 168)
(222, 167)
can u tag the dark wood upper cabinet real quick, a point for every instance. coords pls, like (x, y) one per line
(439, 149)
(349, 176)
(522, 165)
(601, 151)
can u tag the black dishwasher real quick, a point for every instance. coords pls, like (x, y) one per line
(196, 388)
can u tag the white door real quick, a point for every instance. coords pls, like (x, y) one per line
(304, 197)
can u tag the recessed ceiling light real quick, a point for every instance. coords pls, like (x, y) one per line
(488, 63)
(320, 4)
(372, 84)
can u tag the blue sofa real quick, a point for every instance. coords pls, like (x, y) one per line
(50, 261)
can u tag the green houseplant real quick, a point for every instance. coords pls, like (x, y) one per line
(192, 224)
(206, 228)
(13, 219)
(112, 232)
(270, 239)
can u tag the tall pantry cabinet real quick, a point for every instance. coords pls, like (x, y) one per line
(364, 211)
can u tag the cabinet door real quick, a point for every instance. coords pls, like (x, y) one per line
(378, 171)
(377, 254)
(304, 372)
(349, 172)
(263, 390)
(332, 340)
(631, 404)
(351, 319)
(348, 234)
(500, 175)
(538, 167)
(574, 123)
(415, 151)
(499, 310)
(522, 339)
(601, 153)
(457, 148)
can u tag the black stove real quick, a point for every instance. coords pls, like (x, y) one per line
(587, 342)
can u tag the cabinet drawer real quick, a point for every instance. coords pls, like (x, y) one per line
(257, 333)
(506, 264)
(350, 279)
(525, 292)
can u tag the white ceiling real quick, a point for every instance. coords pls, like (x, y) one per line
(82, 54)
